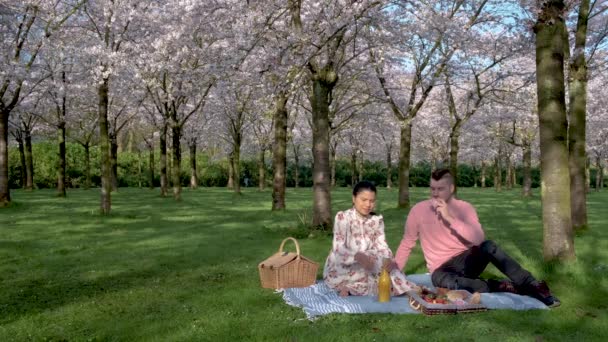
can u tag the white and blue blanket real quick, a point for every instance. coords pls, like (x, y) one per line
(319, 299)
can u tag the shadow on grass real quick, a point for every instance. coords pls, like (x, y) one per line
(155, 268)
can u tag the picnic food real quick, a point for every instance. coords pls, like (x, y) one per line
(434, 298)
(436, 301)
(455, 295)
(445, 296)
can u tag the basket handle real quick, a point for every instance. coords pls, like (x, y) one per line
(294, 241)
(414, 304)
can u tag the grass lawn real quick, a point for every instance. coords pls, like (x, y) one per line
(157, 270)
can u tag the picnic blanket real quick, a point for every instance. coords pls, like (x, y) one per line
(318, 299)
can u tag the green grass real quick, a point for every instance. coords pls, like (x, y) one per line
(157, 270)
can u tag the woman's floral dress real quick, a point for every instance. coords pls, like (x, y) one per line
(354, 233)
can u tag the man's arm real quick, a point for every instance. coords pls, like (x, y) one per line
(465, 223)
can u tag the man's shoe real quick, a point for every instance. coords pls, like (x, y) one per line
(540, 291)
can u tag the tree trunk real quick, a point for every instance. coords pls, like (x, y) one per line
(332, 164)
(598, 171)
(509, 177)
(22, 161)
(5, 194)
(577, 121)
(353, 167)
(389, 168)
(176, 131)
(262, 171)
(61, 162)
(236, 167)
(323, 82)
(498, 173)
(551, 43)
(588, 175)
(139, 169)
(87, 166)
(114, 160)
(482, 181)
(130, 138)
(279, 152)
(454, 148)
(434, 148)
(104, 144)
(61, 179)
(164, 180)
(231, 171)
(193, 170)
(527, 161)
(296, 173)
(29, 161)
(151, 166)
(169, 163)
(404, 165)
(360, 173)
(475, 178)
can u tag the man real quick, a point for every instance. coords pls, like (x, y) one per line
(455, 248)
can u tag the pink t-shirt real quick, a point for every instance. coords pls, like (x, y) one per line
(439, 242)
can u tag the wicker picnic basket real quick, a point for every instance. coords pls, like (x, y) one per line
(419, 304)
(284, 269)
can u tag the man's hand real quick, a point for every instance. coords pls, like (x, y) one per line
(441, 207)
(365, 261)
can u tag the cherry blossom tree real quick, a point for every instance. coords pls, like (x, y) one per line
(182, 63)
(597, 128)
(298, 136)
(57, 94)
(385, 134)
(26, 27)
(235, 103)
(121, 112)
(262, 128)
(589, 35)
(193, 133)
(551, 45)
(25, 122)
(518, 106)
(84, 132)
(327, 33)
(476, 76)
(111, 27)
(427, 53)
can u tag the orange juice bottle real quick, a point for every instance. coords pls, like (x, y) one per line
(384, 285)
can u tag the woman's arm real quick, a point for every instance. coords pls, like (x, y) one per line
(379, 249)
(343, 253)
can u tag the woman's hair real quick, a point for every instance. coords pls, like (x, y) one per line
(363, 186)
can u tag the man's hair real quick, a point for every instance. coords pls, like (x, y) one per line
(442, 173)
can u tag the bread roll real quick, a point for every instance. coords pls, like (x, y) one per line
(456, 295)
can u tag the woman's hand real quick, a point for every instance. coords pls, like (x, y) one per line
(392, 265)
(365, 261)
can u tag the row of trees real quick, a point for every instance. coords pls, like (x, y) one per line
(135, 169)
(460, 81)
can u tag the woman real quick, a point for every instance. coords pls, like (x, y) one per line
(359, 248)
